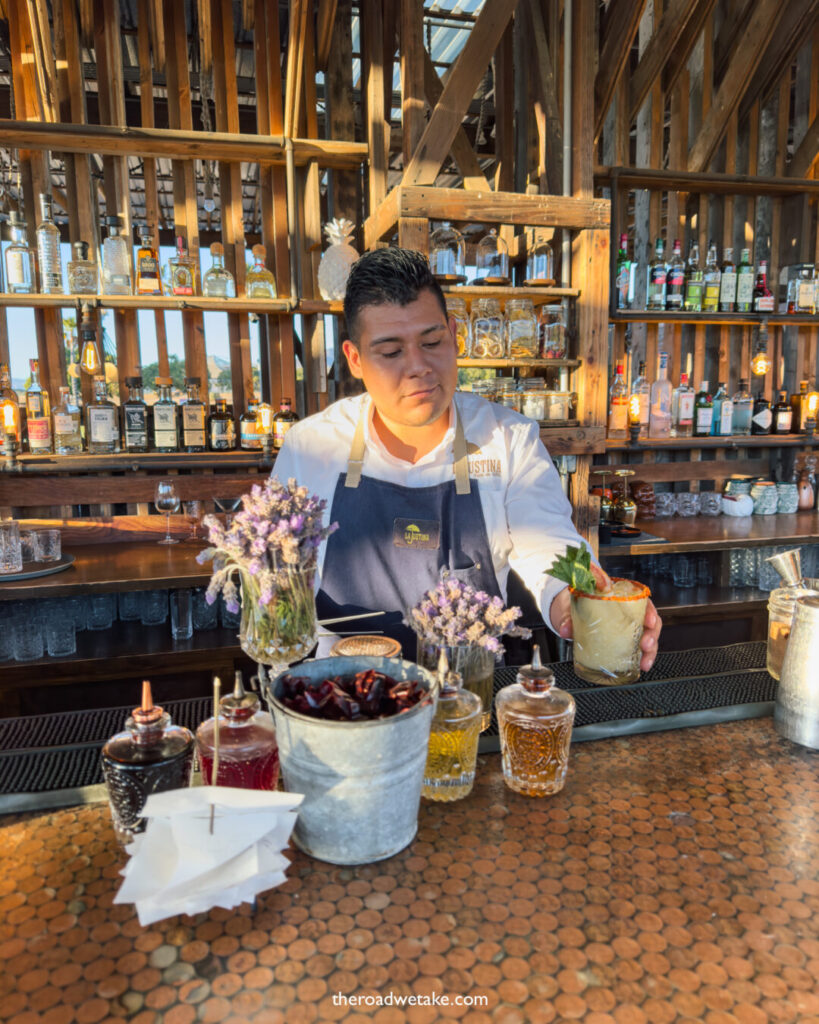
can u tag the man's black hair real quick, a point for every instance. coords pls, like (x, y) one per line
(385, 276)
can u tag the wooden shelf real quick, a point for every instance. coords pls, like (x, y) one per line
(539, 297)
(638, 316)
(580, 440)
(200, 303)
(510, 364)
(738, 441)
(133, 462)
(704, 181)
(675, 603)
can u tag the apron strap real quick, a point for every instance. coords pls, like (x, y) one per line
(355, 463)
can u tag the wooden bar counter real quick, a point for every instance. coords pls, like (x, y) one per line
(674, 880)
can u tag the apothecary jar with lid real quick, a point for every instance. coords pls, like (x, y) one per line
(456, 308)
(493, 259)
(521, 329)
(447, 254)
(540, 268)
(488, 340)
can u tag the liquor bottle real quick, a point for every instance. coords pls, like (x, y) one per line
(675, 280)
(453, 739)
(743, 409)
(283, 421)
(249, 439)
(150, 756)
(623, 291)
(83, 278)
(659, 421)
(259, 282)
(9, 403)
(762, 417)
(136, 418)
(48, 250)
(38, 412)
(116, 265)
(535, 721)
(221, 430)
(67, 425)
(782, 415)
(805, 290)
(703, 411)
(182, 270)
(712, 279)
(799, 407)
(657, 279)
(682, 409)
(20, 275)
(694, 281)
(101, 430)
(745, 283)
(618, 405)
(723, 412)
(193, 418)
(642, 389)
(218, 282)
(248, 752)
(166, 418)
(763, 297)
(728, 283)
(148, 277)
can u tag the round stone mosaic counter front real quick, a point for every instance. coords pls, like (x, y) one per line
(675, 879)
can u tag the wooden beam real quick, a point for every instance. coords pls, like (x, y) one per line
(324, 34)
(622, 21)
(583, 100)
(462, 152)
(505, 114)
(805, 156)
(678, 59)
(372, 77)
(662, 45)
(459, 89)
(798, 20)
(714, 182)
(295, 64)
(545, 79)
(412, 75)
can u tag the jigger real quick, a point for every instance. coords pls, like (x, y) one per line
(789, 566)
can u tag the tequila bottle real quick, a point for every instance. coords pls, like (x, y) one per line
(694, 281)
(218, 281)
(745, 283)
(743, 409)
(221, 430)
(182, 270)
(48, 250)
(135, 417)
(150, 756)
(453, 739)
(657, 279)
(712, 279)
(248, 752)
(166, 418)
(67, 425)
(659, 419)
(283, 421)
(83, 278)
(249, 438)
(10, 403)
(535, 721)
(193, 417)
(260, 283)
(101, 421)
(675, 282)
(618, 405)
(20, 276)
(148, 279)
(38, 412)
(728, 283)
(682, 409)
(116, 265)
(642, 389)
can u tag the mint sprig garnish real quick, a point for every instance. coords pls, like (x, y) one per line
(574, 568)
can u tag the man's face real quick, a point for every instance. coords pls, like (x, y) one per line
(406, 357)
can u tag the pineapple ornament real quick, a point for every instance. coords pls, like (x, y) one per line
(334, 268)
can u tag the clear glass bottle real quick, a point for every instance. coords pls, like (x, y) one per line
(745, 283)
(101, 421)
(712, 280)
(805, 290)
(182, 270)
(488, 340)
(743, 409)
(535, 721)
(453, 739)
(259, 282)
(67, 422)
(675, 280)
(194, 418)
(618, 405)
(249, 438)
(9, 403)
(657, 279)
(218, 282)
(659, 419)
(136, 419)
(521, 329)
(723, 417)
(456, 308)
(447, 254)
(493, 259)
(221, 429)
(540, 264)
(166, 418)
(622, 282)
(782, 415)
(48, 250)
(641, 388)
(150, 756)
(283, 421)
(694, 281)
(148, 274)
(682, 409)
(728, 283)
(83, 277)
(38, 412)
(20, 263)
(763, 297)
(248, 752)
(116, 264)
(703, 411)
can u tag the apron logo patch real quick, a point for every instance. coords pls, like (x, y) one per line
(424, 534)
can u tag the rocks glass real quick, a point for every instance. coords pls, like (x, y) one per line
(608, 628)
(11, 554)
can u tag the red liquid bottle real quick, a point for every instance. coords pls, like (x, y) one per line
(248, 753)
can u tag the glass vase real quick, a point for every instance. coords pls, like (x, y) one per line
(284, 630)
(475, 666)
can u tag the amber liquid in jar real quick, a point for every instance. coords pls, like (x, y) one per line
(535, 756)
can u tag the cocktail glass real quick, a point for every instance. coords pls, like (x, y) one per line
(607, 628)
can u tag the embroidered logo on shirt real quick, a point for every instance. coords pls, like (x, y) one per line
(481, 466)
(416, 533)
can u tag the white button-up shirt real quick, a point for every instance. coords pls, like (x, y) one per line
(528, 517)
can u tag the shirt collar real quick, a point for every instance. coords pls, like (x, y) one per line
(372, 440)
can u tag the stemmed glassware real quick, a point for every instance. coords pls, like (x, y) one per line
(193, 514)
(227, 505)
(166, 500)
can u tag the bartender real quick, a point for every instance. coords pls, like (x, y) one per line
(423, 483)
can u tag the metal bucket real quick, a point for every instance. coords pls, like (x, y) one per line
(361, 781)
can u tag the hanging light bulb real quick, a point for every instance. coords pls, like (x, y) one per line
(209, 203)
(90, 358)
(761, 362)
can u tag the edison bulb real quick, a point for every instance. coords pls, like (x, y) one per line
(760, 364)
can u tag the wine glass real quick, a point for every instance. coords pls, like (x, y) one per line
(166, 500)
(193, 513)
(227, 505)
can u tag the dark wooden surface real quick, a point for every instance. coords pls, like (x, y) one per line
(706, 533)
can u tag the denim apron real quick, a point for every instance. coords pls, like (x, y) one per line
(394, 543)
